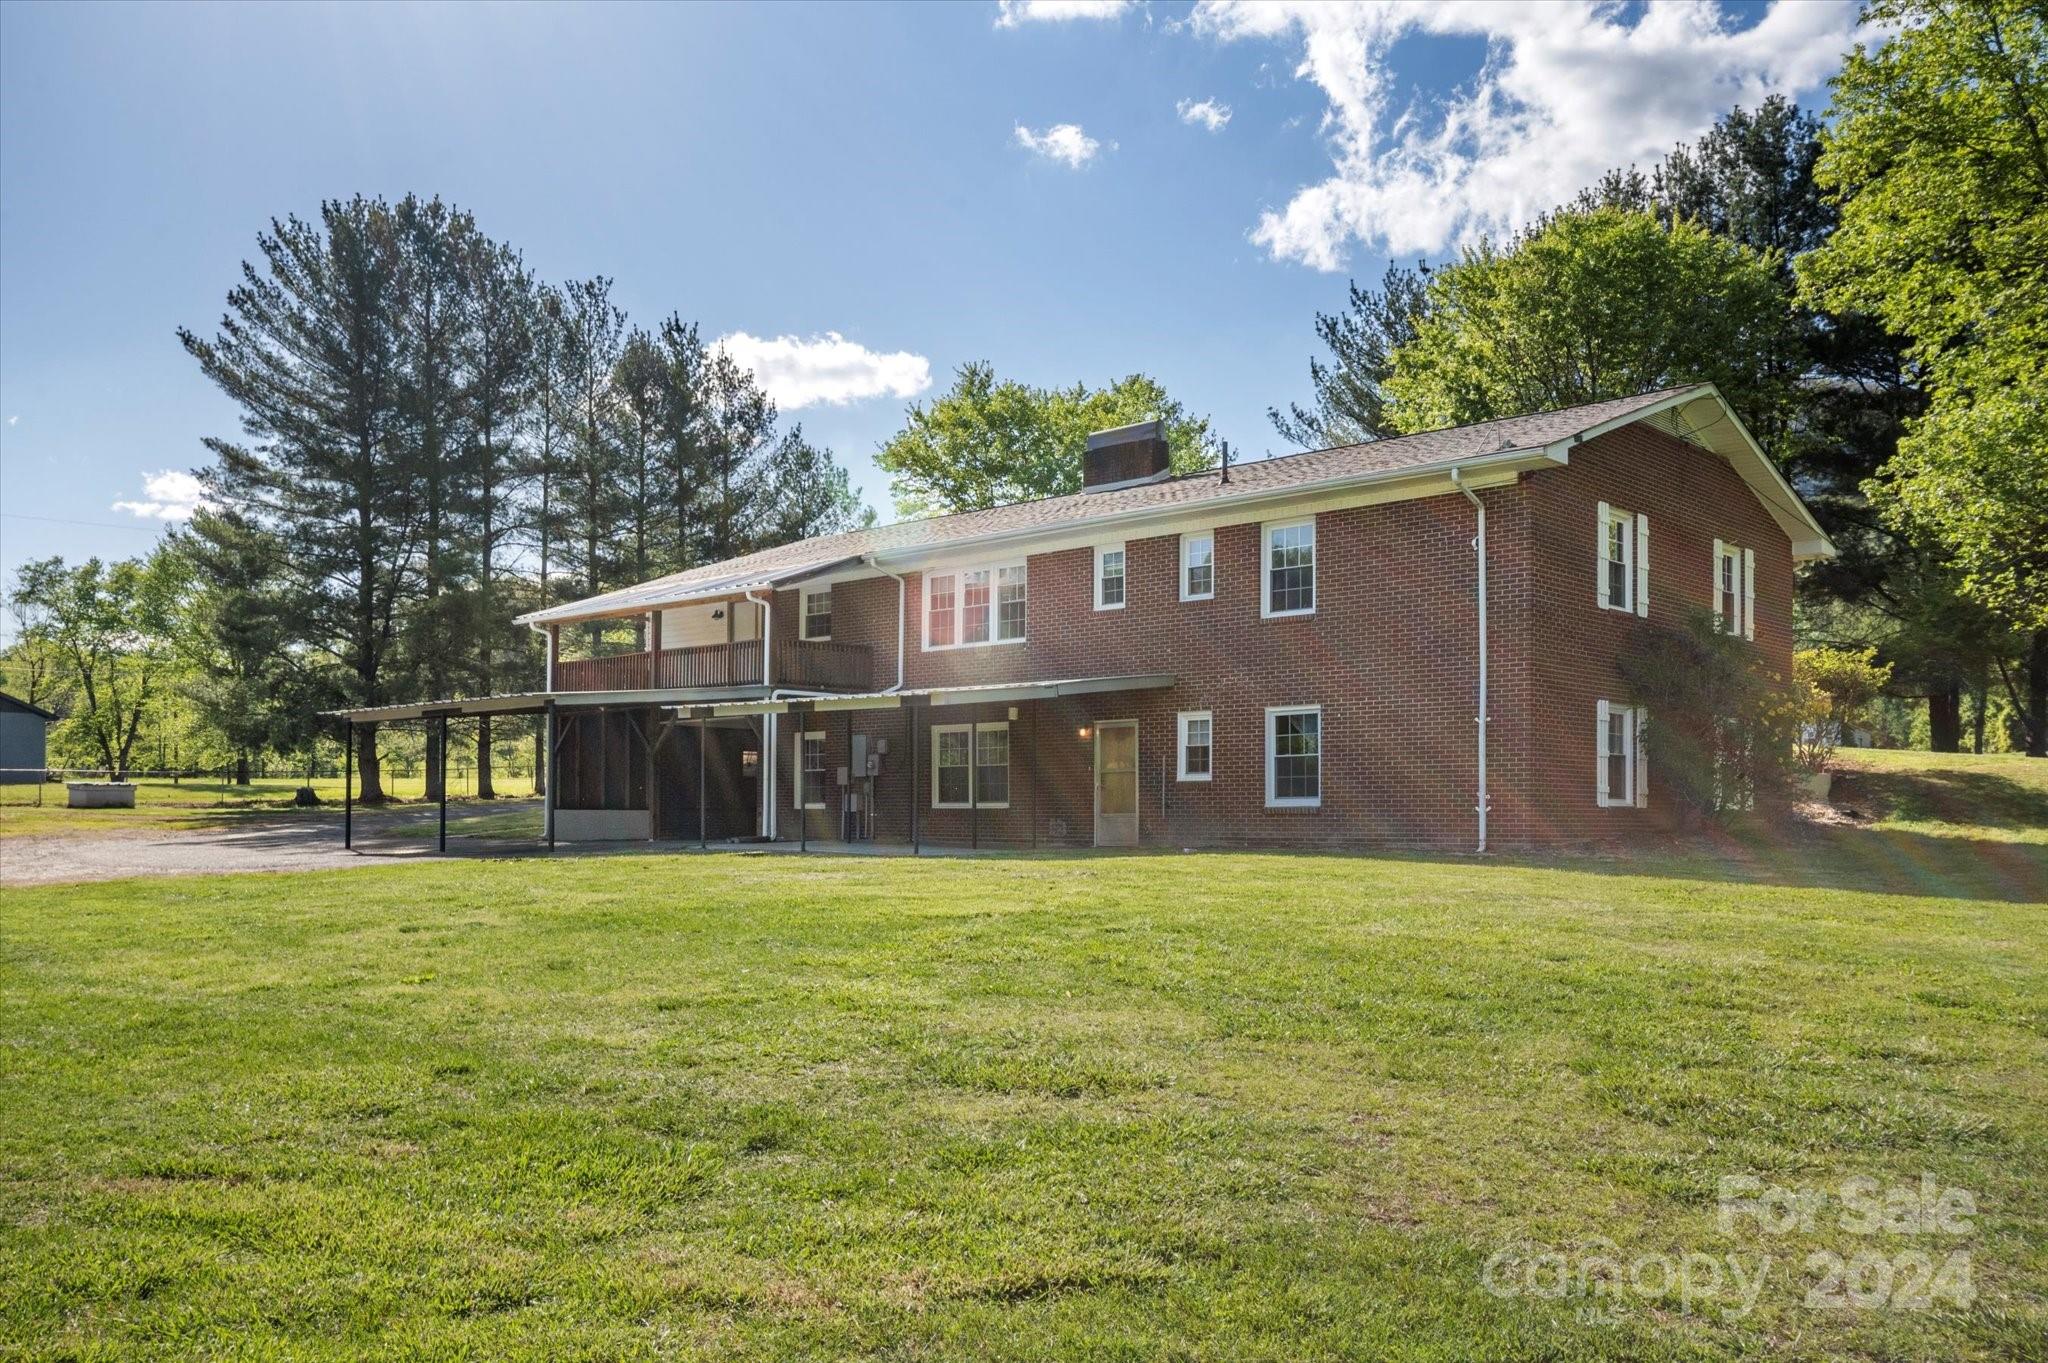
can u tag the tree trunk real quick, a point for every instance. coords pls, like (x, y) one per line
(241, 768)
(484, 790)
(366, 765)
(1978, 696)
(1945, 719)
(2037, 695)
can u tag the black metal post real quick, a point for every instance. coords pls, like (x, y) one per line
(703, 835)
(348, 788)
(553, 776)
(441, 763)
(915, 849)
(1031, 708)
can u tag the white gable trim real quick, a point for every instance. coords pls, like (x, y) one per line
(1724, 434)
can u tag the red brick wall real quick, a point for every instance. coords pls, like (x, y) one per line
(1388, 655)
(1691, 498)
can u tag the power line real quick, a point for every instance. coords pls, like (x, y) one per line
(97, 525)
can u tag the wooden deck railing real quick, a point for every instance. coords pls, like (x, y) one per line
(818, 666)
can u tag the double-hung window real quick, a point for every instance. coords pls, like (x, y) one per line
(1294, 756)
(1010, 597)
(1620, 768)
(1109, 577)
(817, 614)
(1735, 589)
(810, 769)
(975, 606)
(1198, 567)
(1622, 561)
(971, 766)
(940, 605)
(1197, 745)
(1290, 554)
(972, 607)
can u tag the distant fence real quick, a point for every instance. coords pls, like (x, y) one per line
(29, 785)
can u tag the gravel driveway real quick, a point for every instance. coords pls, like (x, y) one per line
(307, 842)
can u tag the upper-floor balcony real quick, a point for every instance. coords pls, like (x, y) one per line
(814, 666)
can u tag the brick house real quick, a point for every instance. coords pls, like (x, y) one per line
(1288, 652)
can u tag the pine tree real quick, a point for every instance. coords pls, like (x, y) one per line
(639, 381)
(310, 351)
(499, 370)
(592, 331)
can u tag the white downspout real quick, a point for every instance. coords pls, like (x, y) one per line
(902, 601)
(769, 754)
(1479, 551)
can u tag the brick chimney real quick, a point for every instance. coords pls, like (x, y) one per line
(1126, 455)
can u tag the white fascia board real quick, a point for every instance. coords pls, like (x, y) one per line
(1329, 494)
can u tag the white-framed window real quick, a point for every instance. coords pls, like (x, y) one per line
(971, 766)
(992, 766)
(1109, 577)
(1198, 566)
(974, 607)
(1294, 756)
(1011, 596)
(809, 787)
(1197, 745)
(1620, 766)
(977, 608)
(1289, 551)
(1622, 561)
(817, 614)
(1735, 589)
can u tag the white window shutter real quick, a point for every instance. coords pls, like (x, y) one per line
(1600, 752)
(1642, 565)
(1714, 589)
(1600, 556)
(1749, 593)
(1642, 760)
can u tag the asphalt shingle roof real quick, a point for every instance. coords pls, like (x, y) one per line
(1425, 450)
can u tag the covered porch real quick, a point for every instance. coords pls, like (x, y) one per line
(1026, 765)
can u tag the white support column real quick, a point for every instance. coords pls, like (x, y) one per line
(768, 761)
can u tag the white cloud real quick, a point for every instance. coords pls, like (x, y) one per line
(1566, 93)
(1062, 142)
(14, 420)
(1011, 13)
(802, 371)
(168, 495)
(1204, 113)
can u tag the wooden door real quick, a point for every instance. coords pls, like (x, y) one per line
(1116, 784)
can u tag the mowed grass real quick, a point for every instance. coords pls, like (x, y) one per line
(1221, 1105)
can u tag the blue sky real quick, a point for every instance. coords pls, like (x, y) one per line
(1030, 184)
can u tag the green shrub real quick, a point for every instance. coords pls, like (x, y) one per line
(1721, 725)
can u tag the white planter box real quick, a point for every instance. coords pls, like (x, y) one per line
(101, 794)
(603, 825)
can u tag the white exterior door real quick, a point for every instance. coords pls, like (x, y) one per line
(1116, 784)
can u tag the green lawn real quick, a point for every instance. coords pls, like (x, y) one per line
(1136, 1107)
